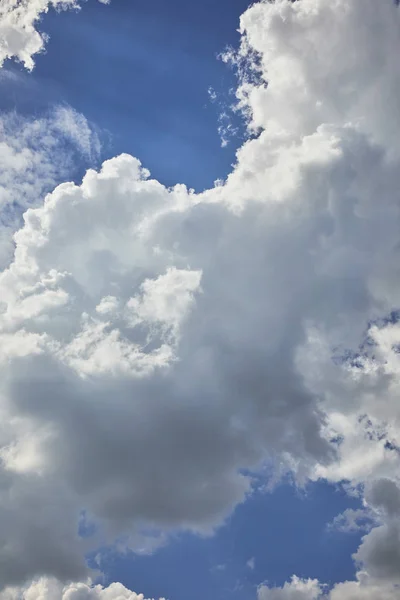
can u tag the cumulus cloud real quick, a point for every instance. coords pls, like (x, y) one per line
(384, 494)
(296, 589)
(51, 589)
(155, 342)
(133, 355)
(35, 155)
(300, 589)
(19, 37)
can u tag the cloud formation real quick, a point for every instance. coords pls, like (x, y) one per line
(35, 155)
(155, 342)
(50, 589)
(19, 37)
(311, 589)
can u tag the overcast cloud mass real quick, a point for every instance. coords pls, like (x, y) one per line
(155, 342)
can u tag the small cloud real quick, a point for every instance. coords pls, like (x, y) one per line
(226, 128)
(212, 94)
(218, 568)
(251, 563)
(352, 520)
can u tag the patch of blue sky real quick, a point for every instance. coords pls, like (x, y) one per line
(280, 533)
(141, 71)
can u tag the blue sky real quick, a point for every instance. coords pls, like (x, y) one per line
(139, 72)
(111, 62)
(284, 531)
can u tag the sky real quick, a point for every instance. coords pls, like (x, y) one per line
(199, 302)
(109, 63)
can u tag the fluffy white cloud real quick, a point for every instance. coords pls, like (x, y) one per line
(298, 589)
(19, 37)
(351, 79)
(364, 589)
(36, 154)
(51, 589)
(155, 342)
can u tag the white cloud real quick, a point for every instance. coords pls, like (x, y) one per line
(155, 341)
(165, 301)
(364, 588)
(300, 589)
(351, 520)
(251, 563)
(51, 589)
(296, 589)
(350, 79)
(19, 37)
(36, 154)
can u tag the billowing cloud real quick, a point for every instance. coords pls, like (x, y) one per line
(19, 37)
(300, 589)
(35, 155)
(156, 344)
(296, 589)
(133, 359)
(384, 494)
(51, 589)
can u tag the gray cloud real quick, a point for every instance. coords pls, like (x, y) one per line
(384, 494)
